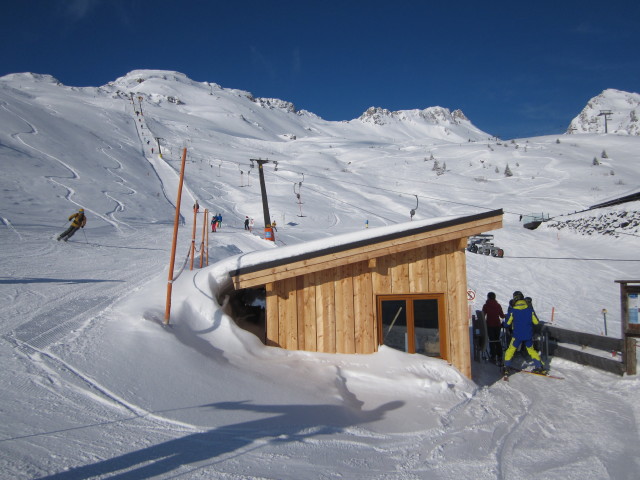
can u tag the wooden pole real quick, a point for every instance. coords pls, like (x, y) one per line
(206, 222)
(176, 222)
(204, 232)
(193, 237)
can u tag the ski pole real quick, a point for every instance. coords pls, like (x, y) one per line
(85, 237)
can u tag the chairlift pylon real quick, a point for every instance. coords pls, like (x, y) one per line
(297, 194)
(413, 210)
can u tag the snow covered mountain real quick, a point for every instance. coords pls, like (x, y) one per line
(432, 122)
(95, 387)
(619, 110)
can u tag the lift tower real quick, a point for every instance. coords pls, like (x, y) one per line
(268, 229)
(606, 114)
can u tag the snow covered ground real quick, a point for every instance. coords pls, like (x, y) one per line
(93, 386)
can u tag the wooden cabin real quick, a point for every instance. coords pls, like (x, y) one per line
(403, 286)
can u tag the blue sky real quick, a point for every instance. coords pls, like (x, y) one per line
(515, 68)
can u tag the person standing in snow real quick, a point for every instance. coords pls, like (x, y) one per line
(214, 222)
(522, 319)
(219, 218)
(251, 224)
(273, 225)
(196, 207)
(78, 220)
(493, 314)
(246, 223)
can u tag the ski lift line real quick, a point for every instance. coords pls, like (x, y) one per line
(341, 201)
(403, 179)
(402, 193)
(411, 194)
(424, 196)
(352, 205)
(396, 192)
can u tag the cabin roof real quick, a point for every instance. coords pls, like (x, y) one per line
(260, 267)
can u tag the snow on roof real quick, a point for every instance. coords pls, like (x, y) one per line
(260, 260)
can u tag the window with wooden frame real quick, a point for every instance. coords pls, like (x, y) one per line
(413, 323)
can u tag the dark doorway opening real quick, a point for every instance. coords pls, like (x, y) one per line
(248, 310)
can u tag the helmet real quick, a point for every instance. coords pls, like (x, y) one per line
(81, 210)
(517, 295)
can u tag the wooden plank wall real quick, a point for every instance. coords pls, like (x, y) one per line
(334, 310)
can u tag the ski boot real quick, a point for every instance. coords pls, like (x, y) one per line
(540, 369)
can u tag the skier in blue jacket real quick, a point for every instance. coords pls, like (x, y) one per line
(521, 318)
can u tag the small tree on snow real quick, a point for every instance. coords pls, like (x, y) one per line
(436, 165)
(507, 171)
(604, 154)
(595, 161)
(497, 170)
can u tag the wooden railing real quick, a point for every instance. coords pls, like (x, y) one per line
(613, 346)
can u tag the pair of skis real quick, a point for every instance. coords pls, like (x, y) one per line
(512, 370)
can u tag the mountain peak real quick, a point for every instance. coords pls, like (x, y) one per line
(620, 109)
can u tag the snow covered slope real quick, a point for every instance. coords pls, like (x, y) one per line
(94, 387)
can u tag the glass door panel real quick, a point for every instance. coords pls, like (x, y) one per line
(394, 324)
(427, 327)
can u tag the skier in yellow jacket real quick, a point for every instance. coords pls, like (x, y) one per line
(78, 220)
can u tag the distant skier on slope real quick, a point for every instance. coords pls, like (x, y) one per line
(521, 318)
(78, 220)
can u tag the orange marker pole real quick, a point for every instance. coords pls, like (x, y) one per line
(193, 238)
(204, 232)
(206, 222)
(176, 222)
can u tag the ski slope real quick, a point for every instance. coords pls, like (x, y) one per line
(95, 387)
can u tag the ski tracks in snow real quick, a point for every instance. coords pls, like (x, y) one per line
(56, 369)
(529, 428)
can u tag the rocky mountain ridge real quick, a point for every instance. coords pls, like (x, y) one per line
(612, 111)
